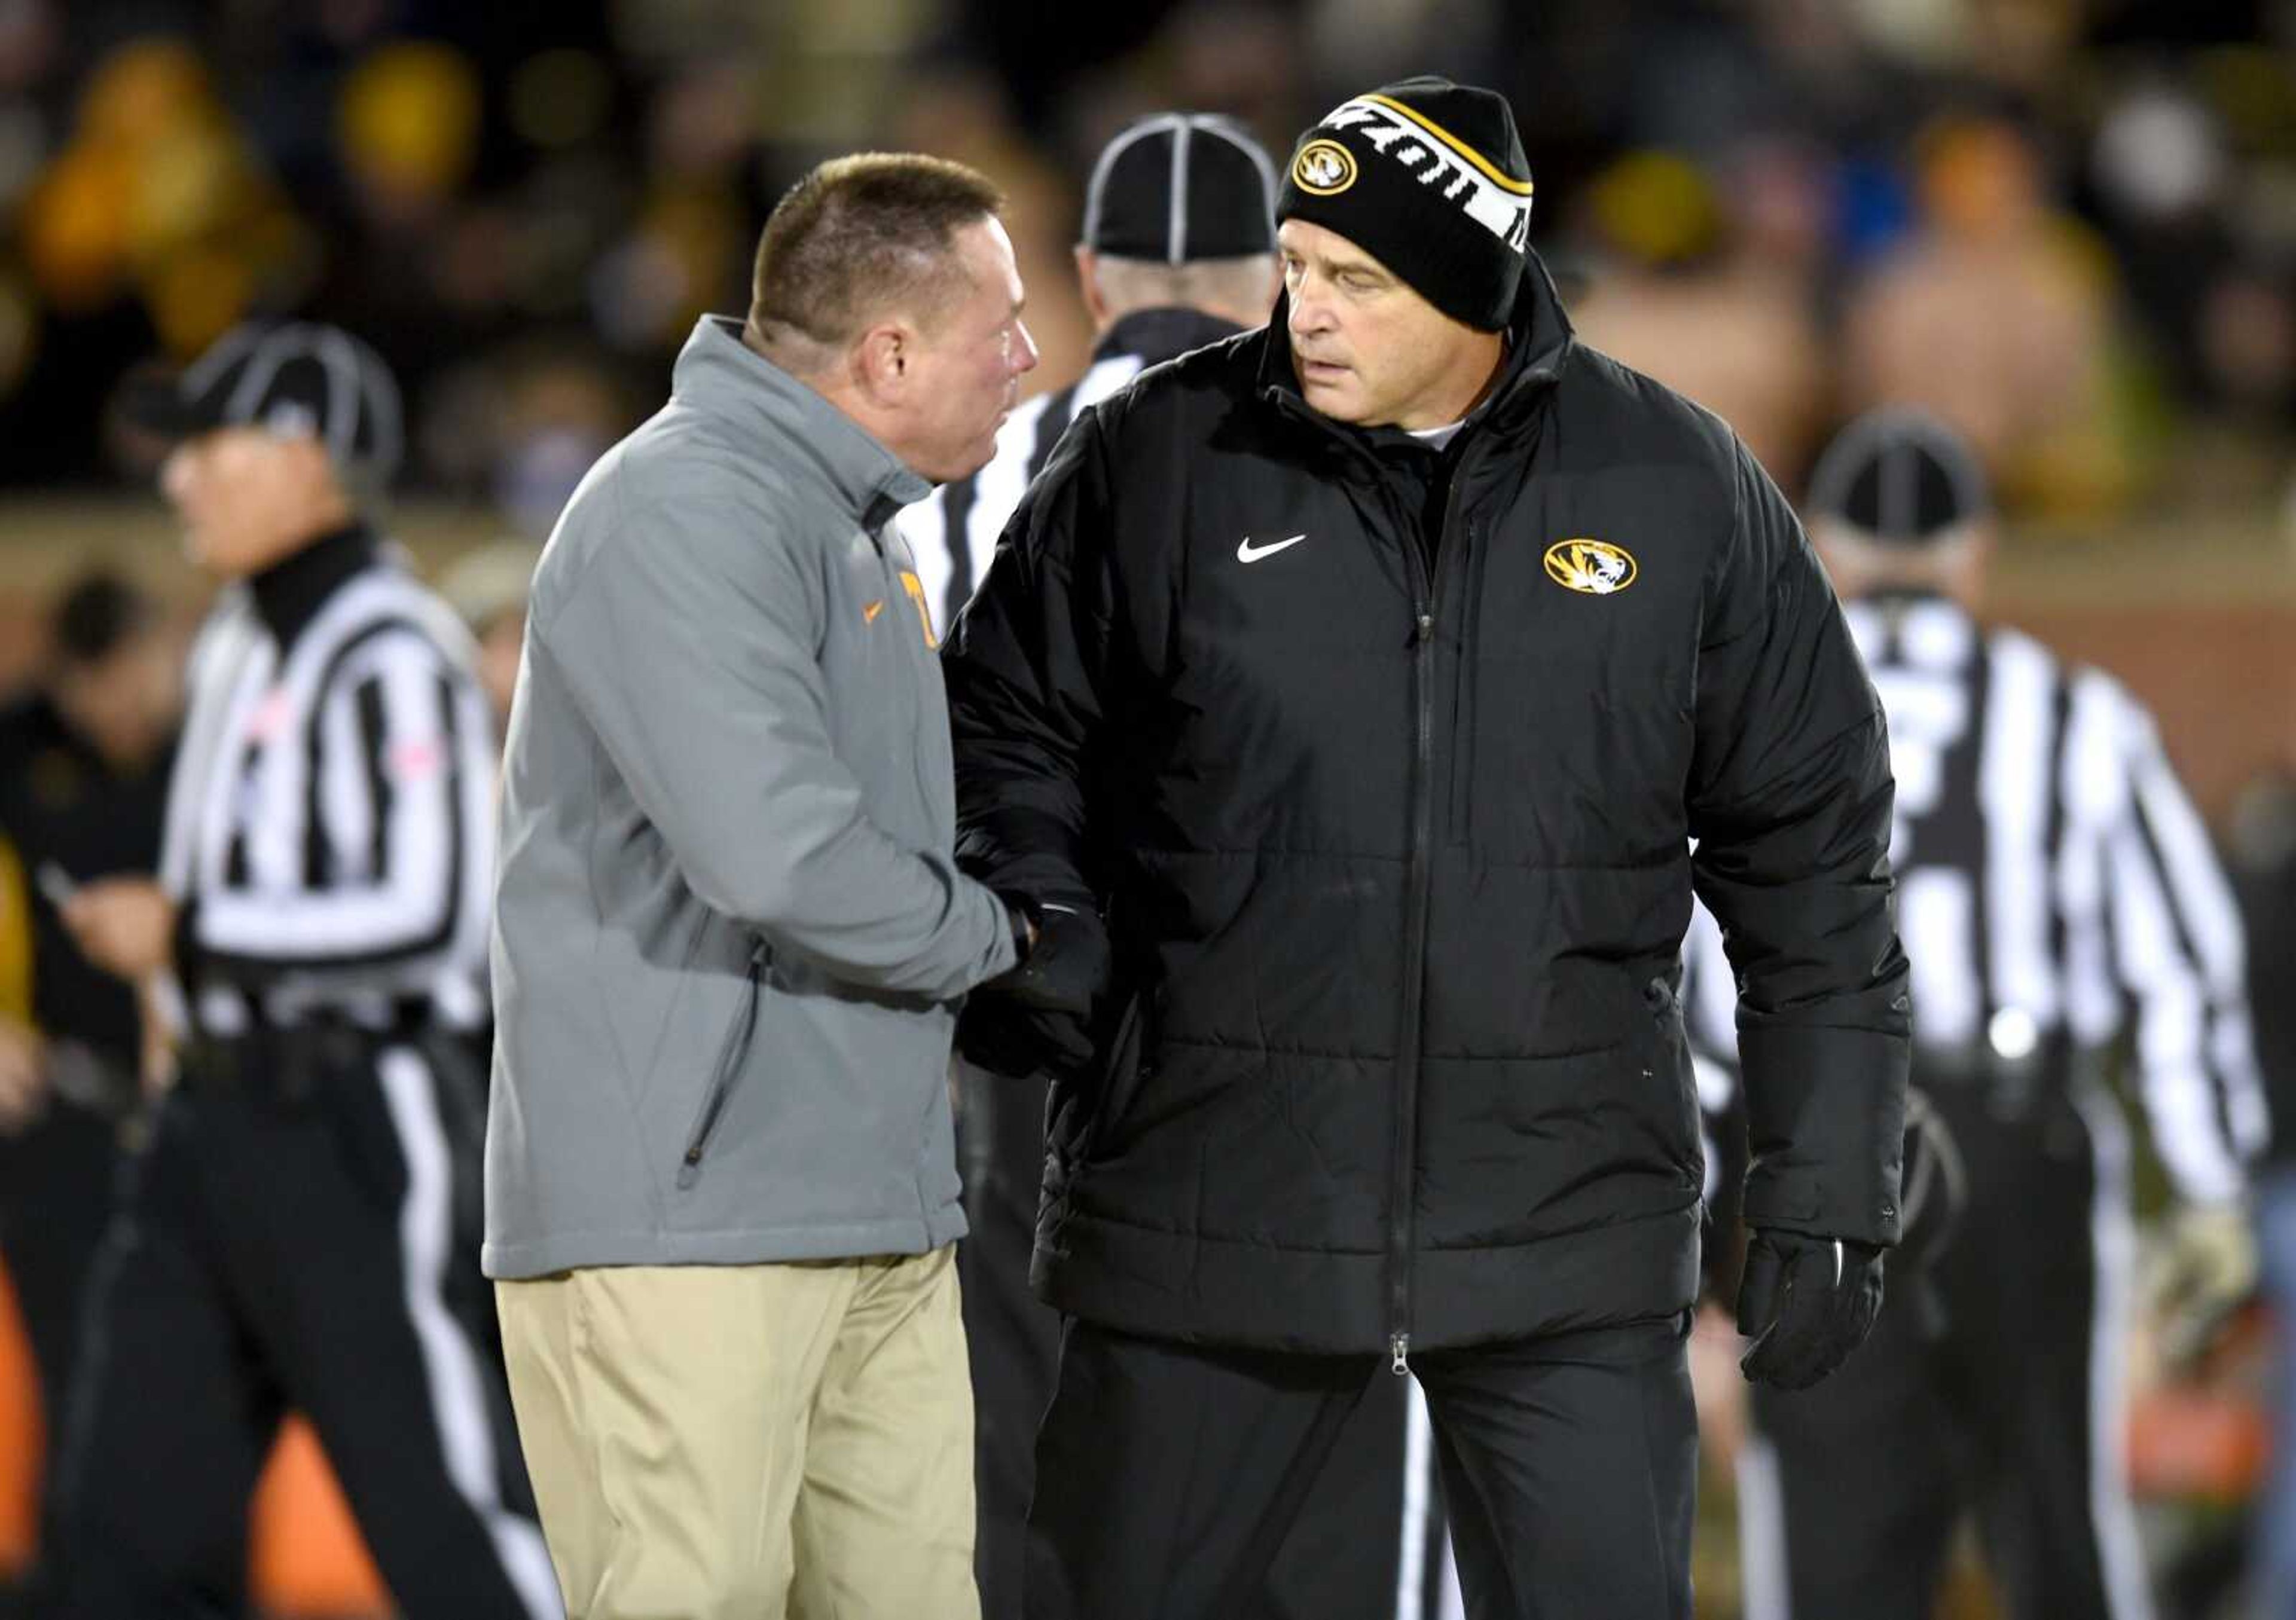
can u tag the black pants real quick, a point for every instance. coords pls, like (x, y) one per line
(1167, 1475)
(1344, 1559)
(302, 1252)
(1850, 1492)
(55, 1197)
(1013, 1337)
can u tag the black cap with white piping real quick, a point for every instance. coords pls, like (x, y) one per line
(1178, 186)
(294, 378)
(1900, 477)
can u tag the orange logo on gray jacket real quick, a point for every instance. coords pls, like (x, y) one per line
(915, 587)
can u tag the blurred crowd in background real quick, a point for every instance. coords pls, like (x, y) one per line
(2067, 223)
(2067, 226)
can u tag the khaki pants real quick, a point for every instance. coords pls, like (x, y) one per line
(749, 1441)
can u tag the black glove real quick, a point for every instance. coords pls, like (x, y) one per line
(1807, 1303)
(1037, 1018)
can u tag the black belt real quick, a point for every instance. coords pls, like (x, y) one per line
(292, 1062)
(1980, 1063)
(2012, 1088)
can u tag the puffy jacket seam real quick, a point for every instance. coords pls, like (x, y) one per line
(1867, 721)
(1215, 1240)
(1601, 1224)
(1277, 855)
(1575, 1054)
(1193, 1235)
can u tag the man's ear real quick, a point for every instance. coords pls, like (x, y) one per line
(1971, 564)
(1096, 303)
(884, 362)
(314, 466)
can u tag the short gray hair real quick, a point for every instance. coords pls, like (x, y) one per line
(860, 235)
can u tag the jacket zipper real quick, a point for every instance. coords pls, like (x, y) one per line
(721, 1082)
(1425, 607)
(1418, 883)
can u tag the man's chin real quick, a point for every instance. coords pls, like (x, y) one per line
(217, 561)
(969, 464)
(1336, 400)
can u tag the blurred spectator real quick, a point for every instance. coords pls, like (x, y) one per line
(561, 415)
(2022, 43)
(409, 126)
(84, 767)
(1994, 314)
(516, 429)
(23, 640)
(1724, 312)
(450, 179)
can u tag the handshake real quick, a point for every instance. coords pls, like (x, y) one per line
(1038, 1019)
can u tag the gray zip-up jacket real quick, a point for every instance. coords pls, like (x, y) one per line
(729, 935)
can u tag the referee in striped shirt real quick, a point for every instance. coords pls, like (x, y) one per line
(301, 1229)
(1178, 251)
(2058, 898)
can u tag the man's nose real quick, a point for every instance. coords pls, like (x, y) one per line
(1309, 313)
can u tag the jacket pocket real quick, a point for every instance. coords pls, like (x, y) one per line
(1127, 1066)
(1669, 1064)
(1465, 682)
(726, 1072)
(1077, 1115)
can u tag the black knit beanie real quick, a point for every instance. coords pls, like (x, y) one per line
(1428, 177)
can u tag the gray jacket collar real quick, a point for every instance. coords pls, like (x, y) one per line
(721, 376)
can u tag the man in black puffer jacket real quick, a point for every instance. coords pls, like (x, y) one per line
(1346, 698)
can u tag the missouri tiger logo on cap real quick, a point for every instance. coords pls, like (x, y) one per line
(1594, 567)
(1433, 157)
(1324, 168)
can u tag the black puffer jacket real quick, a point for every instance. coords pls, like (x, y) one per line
(1386, 774)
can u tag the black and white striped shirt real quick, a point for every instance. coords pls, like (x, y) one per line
(329, 831)
(954, 530)
(2054, 884)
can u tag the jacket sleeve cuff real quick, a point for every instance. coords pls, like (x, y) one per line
(1825, 1112)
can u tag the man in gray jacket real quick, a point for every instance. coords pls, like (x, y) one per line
(730, 940)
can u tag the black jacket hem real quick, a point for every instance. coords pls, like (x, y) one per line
(1209, 1291)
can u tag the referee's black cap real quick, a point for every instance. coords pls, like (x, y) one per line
(1178, 186)
(295, 377)
(1900, 477)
